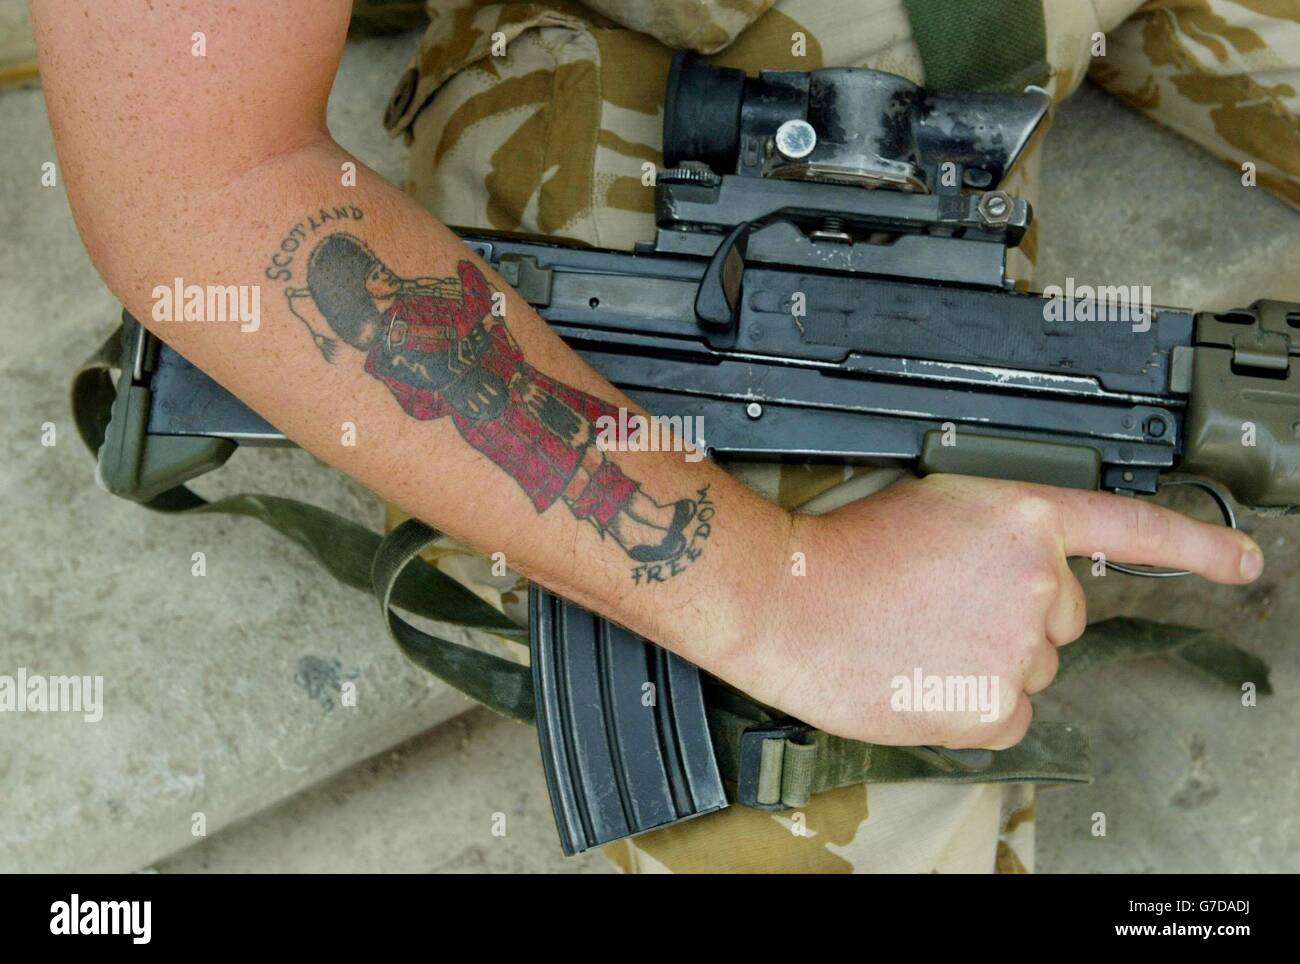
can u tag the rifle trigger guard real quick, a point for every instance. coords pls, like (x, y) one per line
(1229, 519)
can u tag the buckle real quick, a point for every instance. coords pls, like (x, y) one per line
(758, 784)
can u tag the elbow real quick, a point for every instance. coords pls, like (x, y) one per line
(123, 225)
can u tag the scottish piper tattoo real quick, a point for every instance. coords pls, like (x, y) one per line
(439, 348)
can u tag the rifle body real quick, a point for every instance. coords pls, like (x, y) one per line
(838, 365)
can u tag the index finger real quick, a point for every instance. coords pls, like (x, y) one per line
(1131, 530)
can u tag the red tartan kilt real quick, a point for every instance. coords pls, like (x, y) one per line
(541, 462)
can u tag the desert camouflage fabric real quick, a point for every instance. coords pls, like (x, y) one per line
(546, 118)
(1224, 74)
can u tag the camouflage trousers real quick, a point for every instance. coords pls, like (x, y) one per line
(546, 118)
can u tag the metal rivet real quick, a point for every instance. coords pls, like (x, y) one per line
(795, 139)
(754, 410)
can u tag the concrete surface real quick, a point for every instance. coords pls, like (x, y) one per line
(204, 713)
(468, 797)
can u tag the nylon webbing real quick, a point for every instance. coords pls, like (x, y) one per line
(995, 46)
(1205, 650)
(794, 770)
(494, 681)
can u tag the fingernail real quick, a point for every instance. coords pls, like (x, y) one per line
(1252, 563)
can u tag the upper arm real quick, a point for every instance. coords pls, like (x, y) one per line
(152, 103)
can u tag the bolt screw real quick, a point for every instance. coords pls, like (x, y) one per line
(795, 139)
(995, 209)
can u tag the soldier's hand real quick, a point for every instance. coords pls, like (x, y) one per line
(951, 578)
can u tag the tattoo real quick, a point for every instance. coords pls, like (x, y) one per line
(438, 347)
(281, 266)
(701, 529)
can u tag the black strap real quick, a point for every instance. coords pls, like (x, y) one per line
(499, 683)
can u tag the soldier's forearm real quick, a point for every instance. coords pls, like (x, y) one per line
(197, 161)
(500, 458)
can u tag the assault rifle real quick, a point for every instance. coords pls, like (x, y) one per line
(827, 282)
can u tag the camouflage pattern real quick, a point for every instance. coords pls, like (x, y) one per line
(704, 26)
(1224, 74)
(546, 118)
(17, 46)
